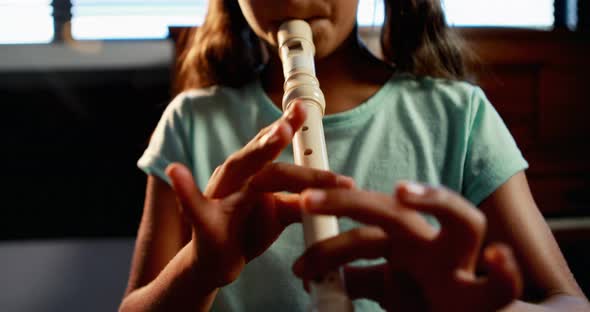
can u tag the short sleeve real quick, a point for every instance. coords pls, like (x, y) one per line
(170, 141)
(492, 156)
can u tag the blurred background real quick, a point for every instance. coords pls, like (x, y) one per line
(83, 83)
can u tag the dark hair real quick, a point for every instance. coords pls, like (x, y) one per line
(417, 40)
(224, 50)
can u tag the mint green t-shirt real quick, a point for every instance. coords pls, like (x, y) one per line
(426, 130)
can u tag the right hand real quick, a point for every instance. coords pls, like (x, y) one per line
(426, 268)
(240, 213)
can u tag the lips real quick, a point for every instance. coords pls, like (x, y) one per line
(305, 18)
(313, 19)
(310, 20)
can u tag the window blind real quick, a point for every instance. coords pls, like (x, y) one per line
(500, 13)
(26, 21)
(133, 19)
(482, 13)
(31, 21)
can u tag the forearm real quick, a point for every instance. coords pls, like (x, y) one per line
(555, 303)
(177, 288)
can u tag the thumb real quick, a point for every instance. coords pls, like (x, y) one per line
(503, 283)
(187, 192)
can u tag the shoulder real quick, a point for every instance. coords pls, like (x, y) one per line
(209, 98)
(441, 95)
(450, 91)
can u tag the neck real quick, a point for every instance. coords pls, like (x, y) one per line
(347, 77)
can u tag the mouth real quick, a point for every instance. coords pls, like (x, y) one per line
(312, 21)
(309, 20)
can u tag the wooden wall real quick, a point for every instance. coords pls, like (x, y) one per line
(538, 81)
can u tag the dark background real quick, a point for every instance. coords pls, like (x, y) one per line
(74, 119)
(70, 140)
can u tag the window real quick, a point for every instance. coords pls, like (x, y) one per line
(29, 21)
(497, 13)
(144, 19)
(26, 21)
(137, 19)
(370, 13)
(503, 13)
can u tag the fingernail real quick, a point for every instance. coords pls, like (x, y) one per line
(290, 113)
(170, 170)
(271, 137)
(415, 189)
(494, 255)
(344, 181)
(314, 198)
(173, 171)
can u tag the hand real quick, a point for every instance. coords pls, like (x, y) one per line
(426, 269)
(240, 215)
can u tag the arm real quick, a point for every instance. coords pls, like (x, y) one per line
(513, 218)
(162, 276)
(439, 264)
(183, 256)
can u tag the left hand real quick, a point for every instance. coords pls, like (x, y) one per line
(427, 269)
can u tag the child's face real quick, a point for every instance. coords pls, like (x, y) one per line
(331, 20)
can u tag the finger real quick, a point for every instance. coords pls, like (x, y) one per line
(329, 254)
(504, 281)
(288, 208)
(260, 151)
(187, 192)
(462, 225)
(278, 177)
(371, 208)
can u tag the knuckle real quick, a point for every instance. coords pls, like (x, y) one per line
(446, 195)
(231, 163)
(274, 167)
(323, 176)
(262, 132)
(358, 234)
(473, 230)
(479, 222)
(473, 220)
(217, 171)
(440, 195)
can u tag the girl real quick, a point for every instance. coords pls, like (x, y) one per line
(406, 118)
